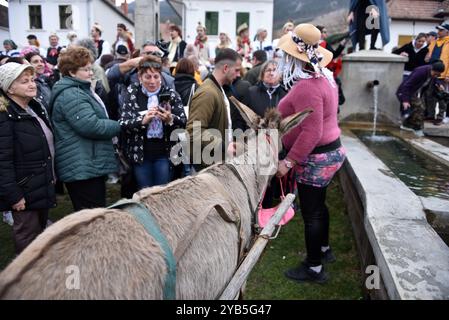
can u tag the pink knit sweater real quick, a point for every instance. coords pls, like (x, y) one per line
(321, 126)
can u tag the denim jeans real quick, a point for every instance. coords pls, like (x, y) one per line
(152, 172)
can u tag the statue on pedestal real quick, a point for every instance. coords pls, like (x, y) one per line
(368, 17)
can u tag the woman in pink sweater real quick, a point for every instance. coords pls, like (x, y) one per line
(313, 148)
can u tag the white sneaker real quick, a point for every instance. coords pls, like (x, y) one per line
(112, 178)
(419, 133)
(7, 218)
(406, 128)
(446, 120)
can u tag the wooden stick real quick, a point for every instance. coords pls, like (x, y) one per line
(253, 255)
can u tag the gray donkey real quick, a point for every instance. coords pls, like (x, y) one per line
(205, 220)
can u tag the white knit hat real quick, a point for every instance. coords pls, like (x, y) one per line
(9, 72)
(98, 27)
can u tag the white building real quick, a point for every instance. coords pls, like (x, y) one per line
(42, 18)
(4, 24)
(224, 16)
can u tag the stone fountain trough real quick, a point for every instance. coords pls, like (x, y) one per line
(396, 231)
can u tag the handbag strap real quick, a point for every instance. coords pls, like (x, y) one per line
(281, 182)
(282, 193)
(288, 179)
(192, 90)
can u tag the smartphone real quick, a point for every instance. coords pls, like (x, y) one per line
(164, 97)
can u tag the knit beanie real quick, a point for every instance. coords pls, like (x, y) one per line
(10, 72)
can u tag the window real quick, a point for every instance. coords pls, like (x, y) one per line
(65, 17)
(242, 17)
(212, 23)
(4, 22)
(35, 13)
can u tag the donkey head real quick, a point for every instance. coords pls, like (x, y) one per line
(264, 139)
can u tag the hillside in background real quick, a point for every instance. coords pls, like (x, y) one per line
(304, 10)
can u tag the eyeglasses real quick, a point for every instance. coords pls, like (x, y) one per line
(86, 69)
(154, 53)
(149, 64)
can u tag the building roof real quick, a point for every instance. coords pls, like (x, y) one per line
(418, 10)
(111, 4)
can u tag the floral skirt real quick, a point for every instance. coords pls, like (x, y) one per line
(319, 169)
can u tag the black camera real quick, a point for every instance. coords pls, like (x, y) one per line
(163, 46)
(441, 94)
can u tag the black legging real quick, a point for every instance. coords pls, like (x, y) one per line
(361, 17)
(316, 221)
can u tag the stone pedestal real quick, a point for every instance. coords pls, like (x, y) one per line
(146, 22)
(365, 66)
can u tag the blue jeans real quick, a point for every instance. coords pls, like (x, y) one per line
(152, 172)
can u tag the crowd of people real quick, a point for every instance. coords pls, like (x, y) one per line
(424, 91)
(92, 112)
(101, 112)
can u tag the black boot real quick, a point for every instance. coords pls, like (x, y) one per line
(305, 273)
(328, 256)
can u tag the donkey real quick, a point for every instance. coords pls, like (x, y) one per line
(106, 253)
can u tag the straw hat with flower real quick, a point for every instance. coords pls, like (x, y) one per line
(299, 46)
(303, 44)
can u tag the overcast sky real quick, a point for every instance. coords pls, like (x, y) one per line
(118, 2)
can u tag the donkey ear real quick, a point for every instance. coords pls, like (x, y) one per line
(250, 117)
(292, 121)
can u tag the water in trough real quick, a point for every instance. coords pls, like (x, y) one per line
(423, 175)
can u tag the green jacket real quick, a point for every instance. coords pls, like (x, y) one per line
(209, 109)
(82, 132)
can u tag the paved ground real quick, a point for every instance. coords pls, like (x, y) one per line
(439, 131)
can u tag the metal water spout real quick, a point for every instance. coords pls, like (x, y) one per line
(372, 84)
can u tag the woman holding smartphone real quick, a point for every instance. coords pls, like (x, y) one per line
(150, 112)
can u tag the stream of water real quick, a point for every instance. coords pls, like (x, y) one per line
(376, 102)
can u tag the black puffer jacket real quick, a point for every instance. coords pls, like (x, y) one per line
(26, 168)
(260, 100)
(183, 86)
(43, 93)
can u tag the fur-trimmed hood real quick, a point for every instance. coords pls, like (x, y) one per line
(4, 103)
(15, 112)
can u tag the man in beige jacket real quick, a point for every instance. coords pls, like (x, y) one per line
(209, 125)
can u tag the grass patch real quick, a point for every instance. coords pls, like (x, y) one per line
(267, 280)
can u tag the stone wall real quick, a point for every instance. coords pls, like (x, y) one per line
(391, 225)
(362, 67)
